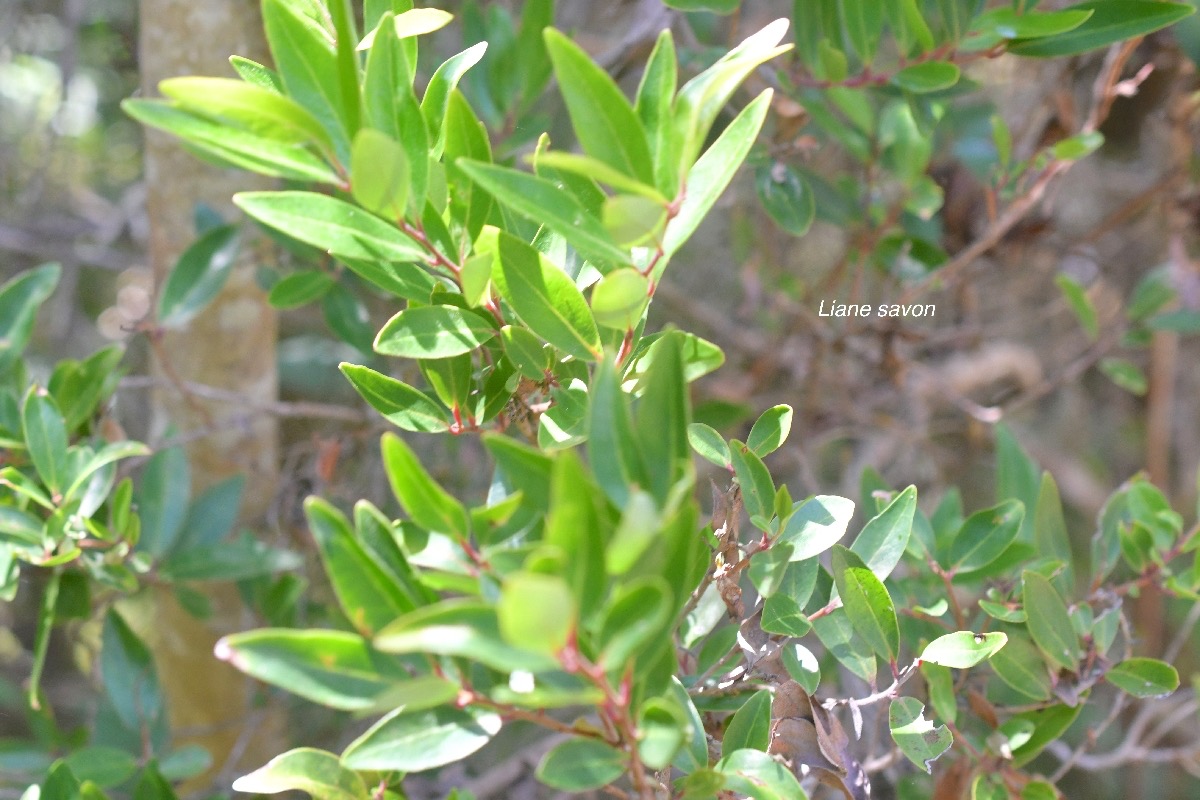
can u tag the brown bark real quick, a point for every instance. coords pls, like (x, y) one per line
(230, 346)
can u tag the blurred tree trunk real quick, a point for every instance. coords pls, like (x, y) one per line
(230, 346)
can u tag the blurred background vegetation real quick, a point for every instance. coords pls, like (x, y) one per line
(1084, 384)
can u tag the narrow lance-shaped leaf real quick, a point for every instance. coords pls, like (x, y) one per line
(198, 276)
(399, 403)
(46, 438)
(427, 503)
(1110, 21)
(604, 121)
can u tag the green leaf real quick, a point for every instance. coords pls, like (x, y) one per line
(758, 490)
(411, 23)
(536, 611)
(1006, 23)
(433, 332)
(713, 171)
(162, 500)
(379, 173)
(466, 137)
(597, 170)
(655, 107)
(750, 726)
(801, 664)
(632, 220)
(758, 775)
(369, 597)
(546, 203)
(578, 764)
(105, 767)
(1049, 724)
(636, 616)
(1126, 374)
(459, 627)
(703, 97)
(1049, 623)
(986, 535)
(300, 288)
(129, 678)
(546, 299)
(46, 438)
(1074, 148)
(816, 524)
(1184, 321)
(427, 503)
(304, 52)
(20, 298)
(1144, 677)
(917, 737)
(260, 111)
(437, 94)
(709, 444)
(613, 449)
(884, 538)
(637, 530)
(786, 197)
(399, 403)
(1110, 21)
(252, 72)
(928, 76)
(662, 418)
(620, 298)
(963, 649)
(867, 603)
(863, 24)
(198, 276)
(604, 121)
(316, 772)
(237, 148)
(332, 225)
(337, 669)
(242, 558)
(1020, 665)
(770, 430)
(715, 6)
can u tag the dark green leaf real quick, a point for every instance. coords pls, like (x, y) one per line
(300, 288)
(1110, 21)
(1049, 623)
(427, 503)
(129, 678)
(1020, 665)
(198, 276)
(986, 535)
(786, 197)
(577, 765)
(758, 490)
(161, 497)
(20, 298)
(867, 603)
(244, 557)
(928, 76)
(750, 726)
(46, 438)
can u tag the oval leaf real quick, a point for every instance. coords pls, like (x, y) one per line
(317, 772)
(414, 742)
(433, 332)
(1144, 677)
(963, 649)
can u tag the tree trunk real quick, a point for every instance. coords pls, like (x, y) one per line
(230, 346)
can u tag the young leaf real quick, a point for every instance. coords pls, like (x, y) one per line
(427, 503)
(198, 276)
(433, 332)
(437, 94)
(1144, 677)
(1020, 665)
(379, 173)
(306, 769)
(546, 299)
(604, 121)
(241, 149)
(579, 764)
(333, 225)
(758, 490)
(409, 742)
(770, 430)
(620, 298)
(963, 649)
(536, 611)
(867, 603)
(1081, 304)
(300, 288)
(709, 444)
(916, 736)
(654, 106)
(713, 171)
(1049, 623)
